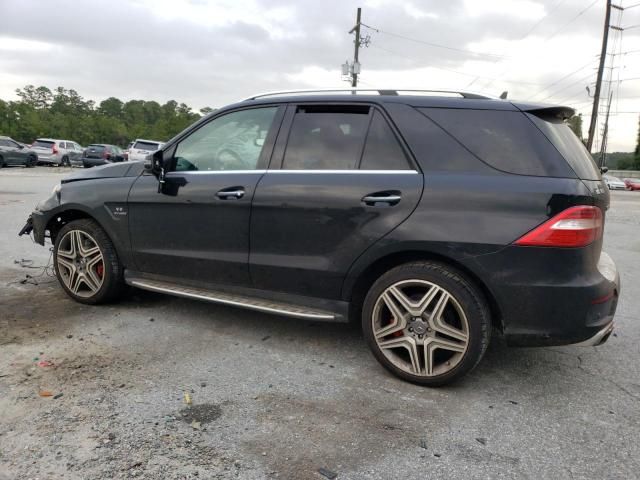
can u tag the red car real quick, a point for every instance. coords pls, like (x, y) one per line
(632, 183)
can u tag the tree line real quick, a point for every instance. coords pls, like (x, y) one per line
(63, 113)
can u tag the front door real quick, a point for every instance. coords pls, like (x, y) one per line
(198, 228)
(340, 182)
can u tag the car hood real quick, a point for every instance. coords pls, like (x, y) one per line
(112, 170)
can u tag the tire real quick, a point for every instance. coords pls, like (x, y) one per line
(2, 164)
(449, 323)
(31, 162)
(96, 284)
(65, 162)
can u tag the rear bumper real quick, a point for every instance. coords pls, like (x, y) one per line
(549, 297)
(599, 338)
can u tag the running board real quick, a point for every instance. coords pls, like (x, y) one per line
(229, 299)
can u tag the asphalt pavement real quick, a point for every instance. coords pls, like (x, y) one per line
(162, 387)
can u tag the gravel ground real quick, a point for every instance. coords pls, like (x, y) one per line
(279, 398)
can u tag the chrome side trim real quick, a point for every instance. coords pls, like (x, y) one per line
(225, 301)
(261, 172)
(598, 339)
(213, 172)
(351, 172)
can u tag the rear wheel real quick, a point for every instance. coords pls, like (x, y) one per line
(65, 162)
(86, 263)
(426, 323)
(2, 164)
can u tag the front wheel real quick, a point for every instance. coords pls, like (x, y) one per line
(31, 162)
(426, 323)
(86, 263)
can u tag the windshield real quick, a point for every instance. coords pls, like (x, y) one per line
(43, 144)
(148, 146)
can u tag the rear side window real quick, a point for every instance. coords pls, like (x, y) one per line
(382, 151)
(322, 139)
(507, 141)
(569, 145)
(148, 146)
(43, 144)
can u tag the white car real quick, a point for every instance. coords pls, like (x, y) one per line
(141, 149)
(57, 152)
(614, 183)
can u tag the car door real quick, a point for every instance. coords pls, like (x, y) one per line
(340, 180)
(198, 229)
(7, 152)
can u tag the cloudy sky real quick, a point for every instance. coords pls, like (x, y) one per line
(213, 52)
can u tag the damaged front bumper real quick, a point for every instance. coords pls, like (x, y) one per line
(36, 224)
(28, 227)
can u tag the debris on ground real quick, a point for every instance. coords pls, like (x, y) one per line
(203, 413)
(481, 440)
(423, 443)
(187, 398)
(45, 363)
(57, 396)
(45, 393)
(327, 473)
(196, 425)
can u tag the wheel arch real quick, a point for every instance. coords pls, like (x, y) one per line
(356, 291)
(62, 217)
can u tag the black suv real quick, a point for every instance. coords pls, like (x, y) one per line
(431, 219)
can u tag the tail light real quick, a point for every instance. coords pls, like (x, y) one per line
(574, 227)
(105, 154)
(54, 149)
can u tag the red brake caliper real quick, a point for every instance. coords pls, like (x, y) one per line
(100, 269)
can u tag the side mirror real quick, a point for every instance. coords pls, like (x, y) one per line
(20, 147)
(157, 168)
(604, 169)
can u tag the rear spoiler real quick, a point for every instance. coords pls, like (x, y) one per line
(541, 110)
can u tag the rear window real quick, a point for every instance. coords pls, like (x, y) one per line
(148, 146)
(505, 140)
(96, 148)
(569, 145)
(43, 143)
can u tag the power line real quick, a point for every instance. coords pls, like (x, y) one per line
(450, 69)
(568, 86)
(582, 12)
(431, 44)
(553, 84)
(557, 5)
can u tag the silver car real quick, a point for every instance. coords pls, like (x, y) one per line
(614, 183)
(141, 149)
(57, 152)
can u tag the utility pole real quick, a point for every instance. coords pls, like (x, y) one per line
(605, 135)
(596, 95)
(350, 71)
(356, 47)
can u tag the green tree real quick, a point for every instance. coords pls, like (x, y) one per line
(64, 113)
(575, 124)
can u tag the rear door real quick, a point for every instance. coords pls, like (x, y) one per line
(339, 181)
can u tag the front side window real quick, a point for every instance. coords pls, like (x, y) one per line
(230, 142)
(322, 139)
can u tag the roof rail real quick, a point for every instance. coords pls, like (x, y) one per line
(376, 91)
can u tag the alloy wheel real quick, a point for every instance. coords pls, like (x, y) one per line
(420, 327)
(80, 263)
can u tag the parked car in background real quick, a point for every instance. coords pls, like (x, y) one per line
(614, 183)
(431, 220)
(141, 149)
(57, 152)
(15, 153)
(101, 154)
(126, 152)
(632, 183)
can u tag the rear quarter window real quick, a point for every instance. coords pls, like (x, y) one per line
(505, 140)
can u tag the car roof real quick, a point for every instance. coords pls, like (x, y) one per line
(416, 98)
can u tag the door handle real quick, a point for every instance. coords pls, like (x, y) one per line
(388, 198)
(230, 194)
